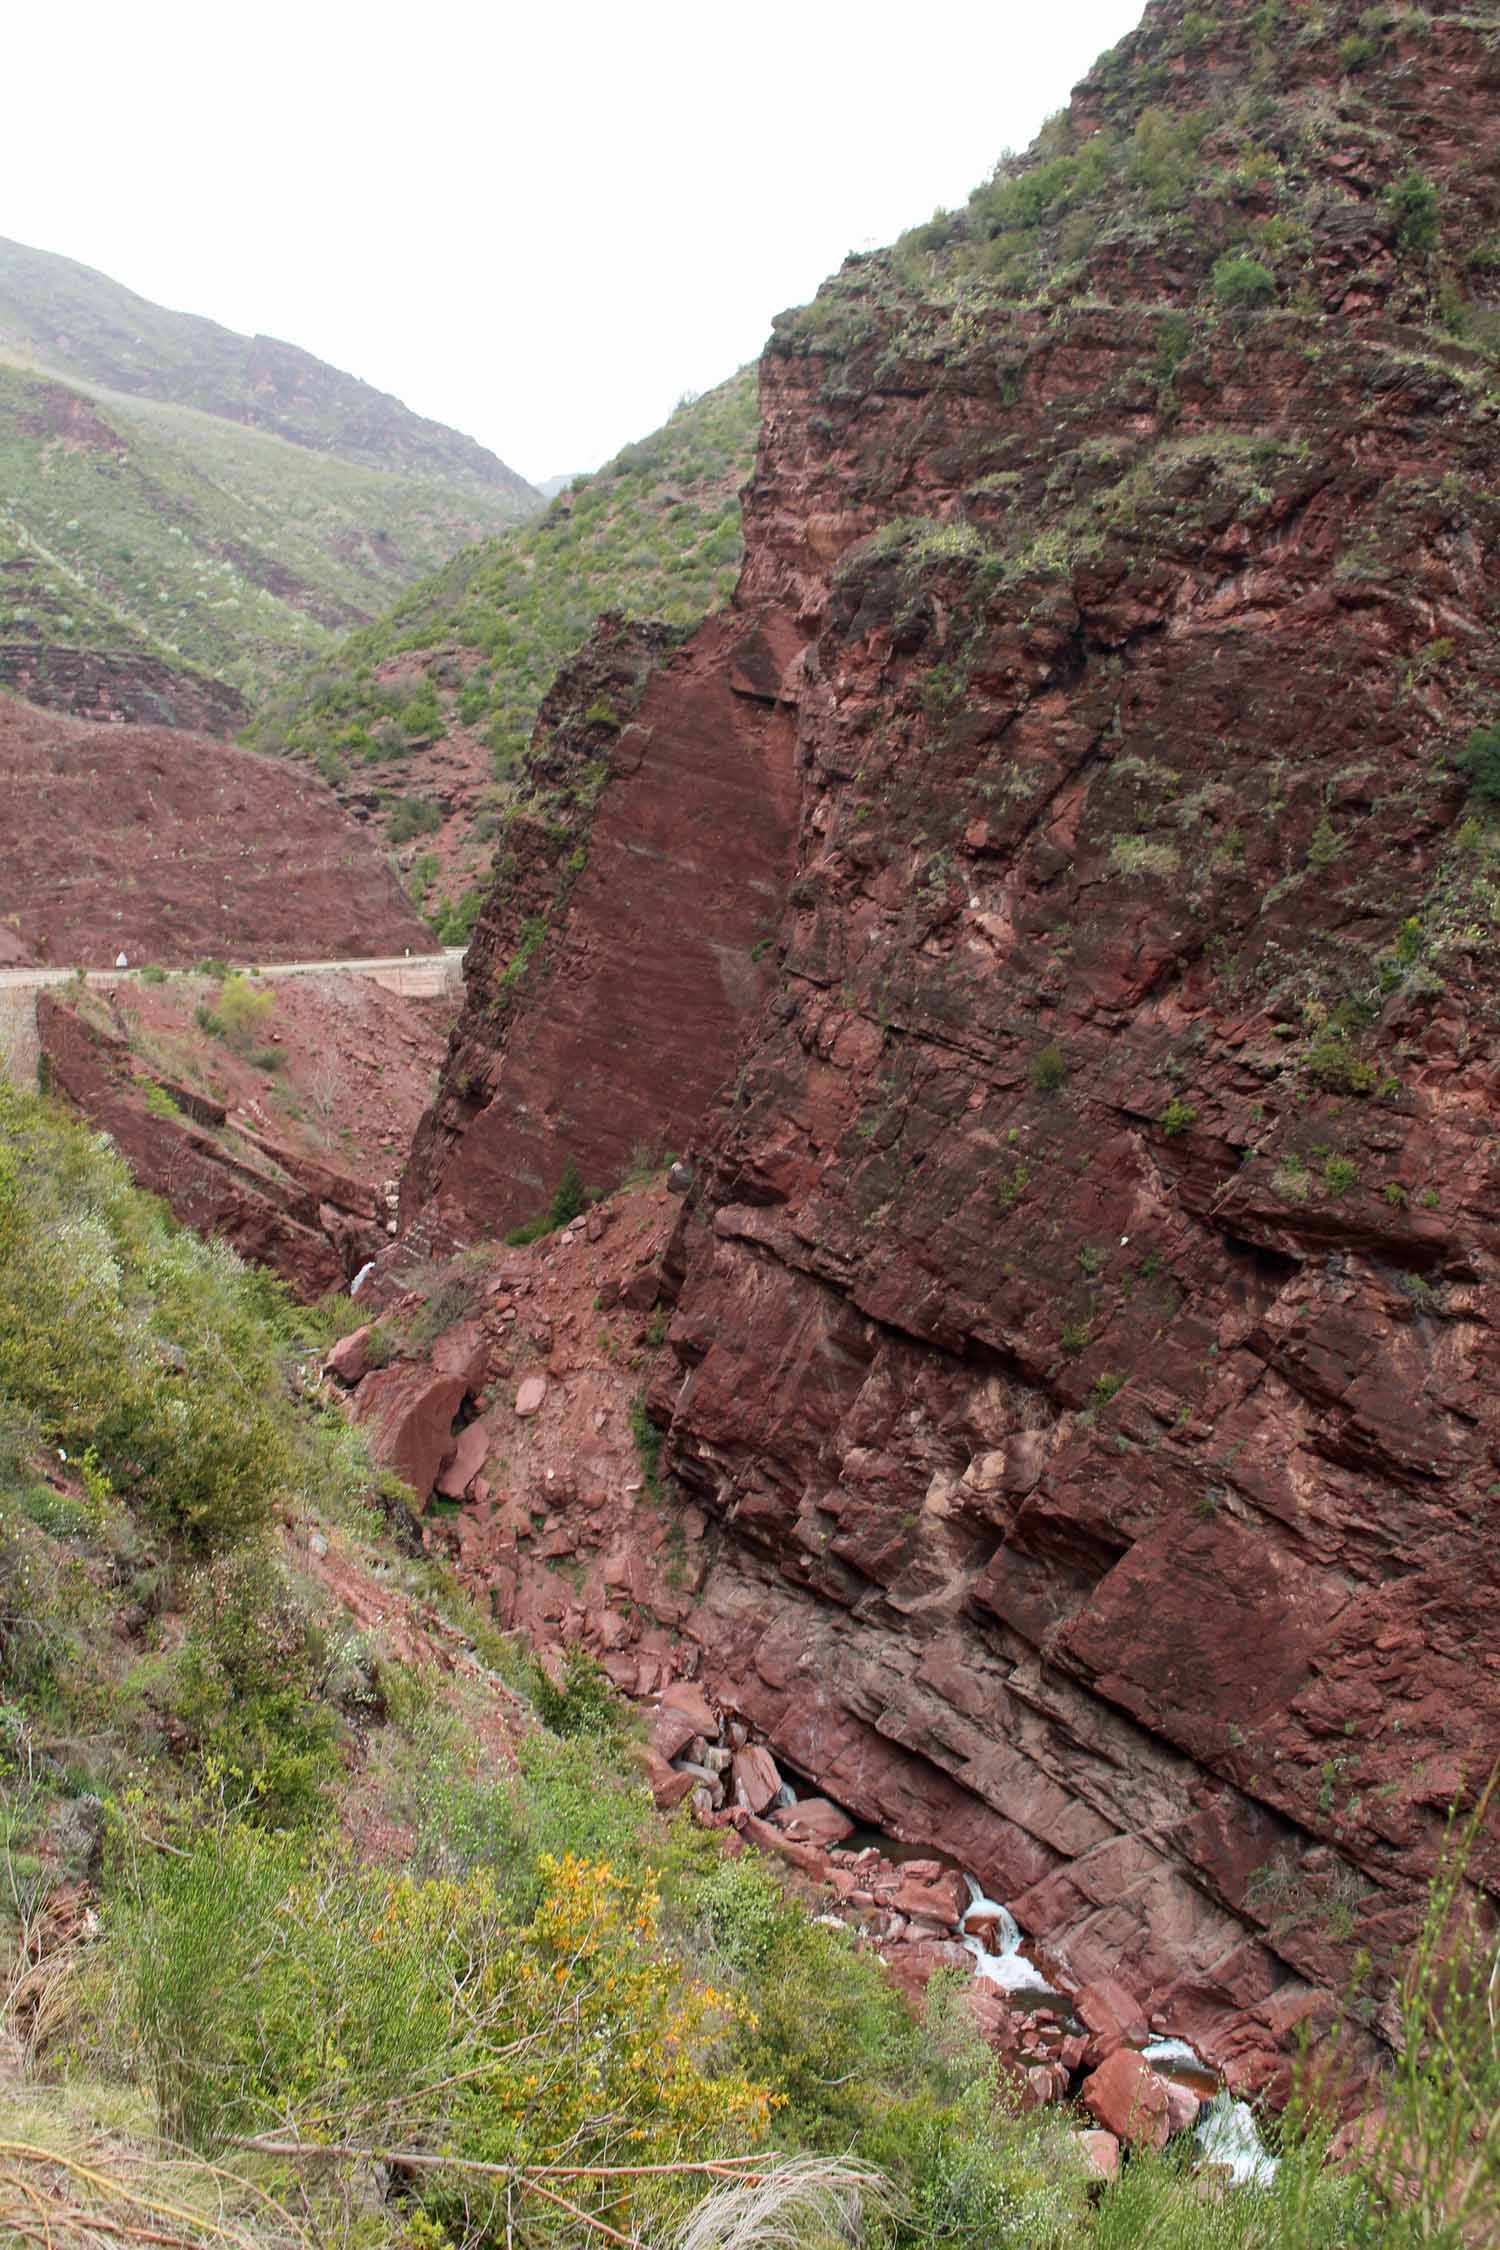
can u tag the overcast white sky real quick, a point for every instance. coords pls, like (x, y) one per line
(541, 224)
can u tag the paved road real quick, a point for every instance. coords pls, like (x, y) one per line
(418, 976)
(423, 966)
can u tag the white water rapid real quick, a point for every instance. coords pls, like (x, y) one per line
(1226, 2131)
(1008, 1967)
(1227, 2135)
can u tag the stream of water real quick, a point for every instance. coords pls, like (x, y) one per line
(1226, 2131)
(1008, 1966)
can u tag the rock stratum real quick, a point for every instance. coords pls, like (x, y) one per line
(170, 846)
(1050, 903)
(284, 1143)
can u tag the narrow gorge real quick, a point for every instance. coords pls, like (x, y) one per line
(1051, 912)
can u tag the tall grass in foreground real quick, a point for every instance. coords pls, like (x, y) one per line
(1434, 2158)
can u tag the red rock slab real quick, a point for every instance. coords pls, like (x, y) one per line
(650, 977)
(687, 1697)
(462, 1352)
(757, 1781)
(807, 1857)
(1129, 2099)
(407, 1414)
(671, 1731)
(469, 1457)
(349, 1358)
(1183, 2106)
(668, 1787)
(1114, 2017)
(1100, 2152)
(530, 1395)
(942, 1898)
(816, 1819)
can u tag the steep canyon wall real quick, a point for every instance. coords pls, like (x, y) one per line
(1084, 1315)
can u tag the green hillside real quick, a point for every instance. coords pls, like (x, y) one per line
(655, 534)
(62, 318)
(173, 496)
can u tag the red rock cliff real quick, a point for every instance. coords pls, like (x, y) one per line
(1085, 1314)
(618, 964)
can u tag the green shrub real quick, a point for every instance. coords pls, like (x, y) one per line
(153, 973)
(1330, 1063)
(242, 1009)
(121, 1332)
(530, 1230)
(451, 1301)
(1480, 760)
(648, 1444)
(569, 1197)
(1326, 844)
(1009, 1191)
(1049, 1069)
(245, 1688)
(1432, 2174)
(586, 1702)
(264, 1985)
(1177, 1116)
(1174, 340)
(454, 923)
(1242, 284)
(412, 816)
(1412, 202)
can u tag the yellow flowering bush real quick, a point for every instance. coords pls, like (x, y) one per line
(274, 1985)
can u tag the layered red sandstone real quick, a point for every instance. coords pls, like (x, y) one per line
(621, 958)
(1083, 1349)
(287, 1146)
(170, 846)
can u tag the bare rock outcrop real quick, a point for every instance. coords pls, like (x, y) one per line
(1083, 1312)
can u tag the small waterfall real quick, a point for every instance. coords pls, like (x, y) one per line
(1008, 1966)
(1227, 2135)
(1161, 2051)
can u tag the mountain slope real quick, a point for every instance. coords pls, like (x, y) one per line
(65, 319)
(183, 512)
(1084, 1306)
(420, 720)
(325, 1899)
